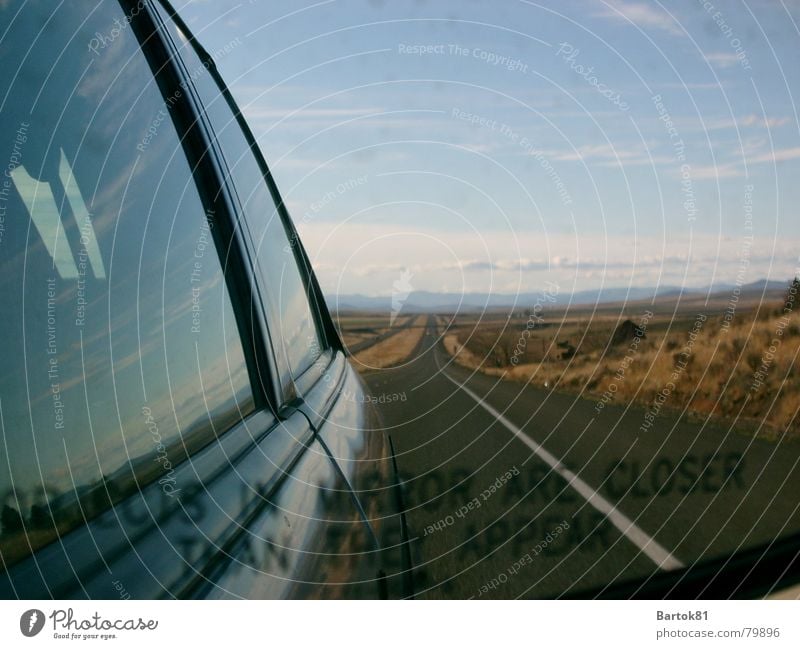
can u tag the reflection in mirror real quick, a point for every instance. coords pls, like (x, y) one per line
(121, 353)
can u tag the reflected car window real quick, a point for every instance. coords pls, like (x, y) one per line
(295, 336)
(121, 352)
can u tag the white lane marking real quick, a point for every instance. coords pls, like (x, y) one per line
(636, 535)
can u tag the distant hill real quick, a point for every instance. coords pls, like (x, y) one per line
(429, 302)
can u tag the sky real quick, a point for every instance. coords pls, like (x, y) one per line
(477, 146)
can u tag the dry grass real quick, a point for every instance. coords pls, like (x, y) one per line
(462, 353)
(351, 339)
(392, 351)
(718, 375)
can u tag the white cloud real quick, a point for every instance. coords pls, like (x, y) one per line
(590, 151)
(722, 59)
(639, 161)
(607, 155)
(365, 258)
(641, 14)
(688, 86)
(758, 120)
(747, 121)
(716, 172)
(256, 112)
(296, 162)
(776, 155)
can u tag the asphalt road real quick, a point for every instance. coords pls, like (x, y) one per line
(514, 491)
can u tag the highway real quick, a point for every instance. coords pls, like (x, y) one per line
(515, 491)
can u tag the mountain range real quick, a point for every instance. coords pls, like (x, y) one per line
(428, 302)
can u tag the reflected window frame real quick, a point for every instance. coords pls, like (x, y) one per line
(289, 388)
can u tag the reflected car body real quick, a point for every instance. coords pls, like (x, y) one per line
(252, 464)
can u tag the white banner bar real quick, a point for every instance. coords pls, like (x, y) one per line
(400, 625)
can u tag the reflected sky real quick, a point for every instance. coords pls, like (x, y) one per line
(294, 330)
(134, 312)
